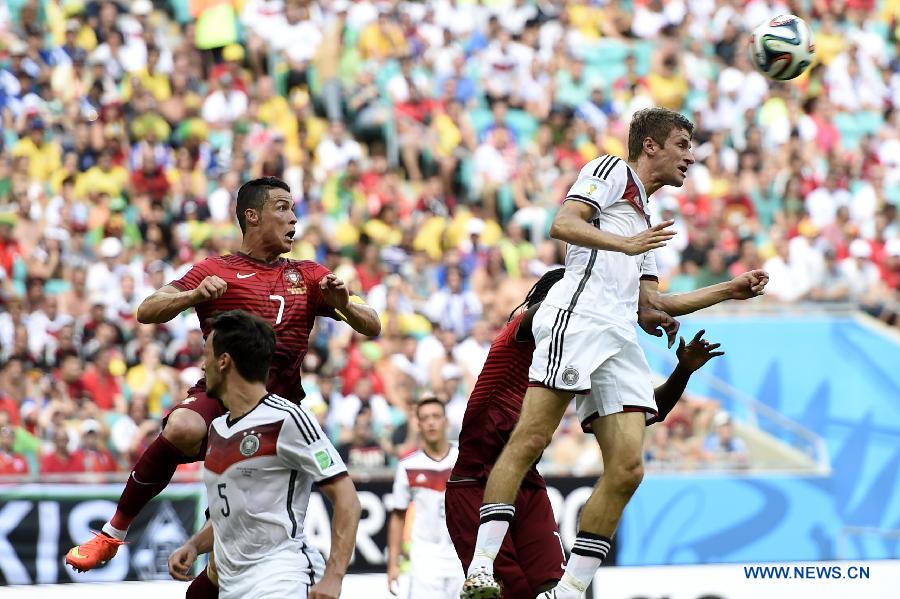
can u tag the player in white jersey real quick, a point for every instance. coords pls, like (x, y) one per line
(263, 457)
(421, 479)
(586, 344)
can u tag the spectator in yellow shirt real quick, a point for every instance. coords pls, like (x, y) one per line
(829, 41)
(382, 39)
(44, 157)
(104, 177)
(668, 87)
(156, 83)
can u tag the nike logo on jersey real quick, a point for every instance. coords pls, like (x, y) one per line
(240, 276)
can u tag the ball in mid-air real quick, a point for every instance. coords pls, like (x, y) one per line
(782, 47)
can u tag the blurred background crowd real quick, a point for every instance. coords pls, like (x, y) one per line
(427, 145)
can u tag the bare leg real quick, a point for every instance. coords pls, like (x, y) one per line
(542, 412)
(620, 437)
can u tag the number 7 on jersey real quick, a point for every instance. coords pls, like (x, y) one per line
(280, 300)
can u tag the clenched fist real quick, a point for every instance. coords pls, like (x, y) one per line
(749, 284)
(210, 288)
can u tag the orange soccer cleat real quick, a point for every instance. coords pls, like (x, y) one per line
(95, 552)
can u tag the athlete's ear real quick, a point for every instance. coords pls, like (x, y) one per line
(251, 216)
(650, 146)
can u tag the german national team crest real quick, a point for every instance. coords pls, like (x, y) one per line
(570, 376)
(295, 282)
(249, 444)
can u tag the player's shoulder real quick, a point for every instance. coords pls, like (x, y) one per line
(606, 167)
(294, 415)
(409, 455)
(219, 262)
(219, 423)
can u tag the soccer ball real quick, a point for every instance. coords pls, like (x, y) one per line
(782, 48)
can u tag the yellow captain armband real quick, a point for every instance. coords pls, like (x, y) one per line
(355, 299)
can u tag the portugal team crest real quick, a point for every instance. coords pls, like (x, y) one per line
(249, 445)
(295, 282)
(570, 376)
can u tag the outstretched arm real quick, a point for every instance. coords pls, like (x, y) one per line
(691, 357)
(750, 284)
(358, 315)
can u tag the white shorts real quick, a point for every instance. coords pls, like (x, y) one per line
(422, 586)
(265, 589)
(599, 362)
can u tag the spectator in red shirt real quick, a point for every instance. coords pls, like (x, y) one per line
(11, 377)
(70, 374)
(93, 455)
(103, 386)
(61, 460)
(370, 270)
(150, 180)
(9, 247)
(11, 463)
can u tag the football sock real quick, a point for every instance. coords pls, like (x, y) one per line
(495, 519)
(111, 531)
(202, 588)
(151, 474)
(588, 553)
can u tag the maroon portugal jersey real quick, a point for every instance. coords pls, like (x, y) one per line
(494, 406)
(285, 293)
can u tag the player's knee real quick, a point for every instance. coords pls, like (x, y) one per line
(626, 477)
(185, 429)
(531, 442)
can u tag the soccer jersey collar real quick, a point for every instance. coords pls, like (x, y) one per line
(261, 262)
(640, 185)
(230, 423)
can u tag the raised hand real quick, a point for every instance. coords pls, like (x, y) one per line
(652, 238)
(697, 353)
(210, 288)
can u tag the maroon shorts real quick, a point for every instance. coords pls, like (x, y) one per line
(531, 555)
(209, 409)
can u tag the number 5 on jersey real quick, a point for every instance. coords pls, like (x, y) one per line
(227, 509)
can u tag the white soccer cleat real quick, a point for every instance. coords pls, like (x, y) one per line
(480, 584)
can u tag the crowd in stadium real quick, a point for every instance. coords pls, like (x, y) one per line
(427, 145)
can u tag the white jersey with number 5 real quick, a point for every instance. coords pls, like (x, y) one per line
(259, 470)
(605, 284)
